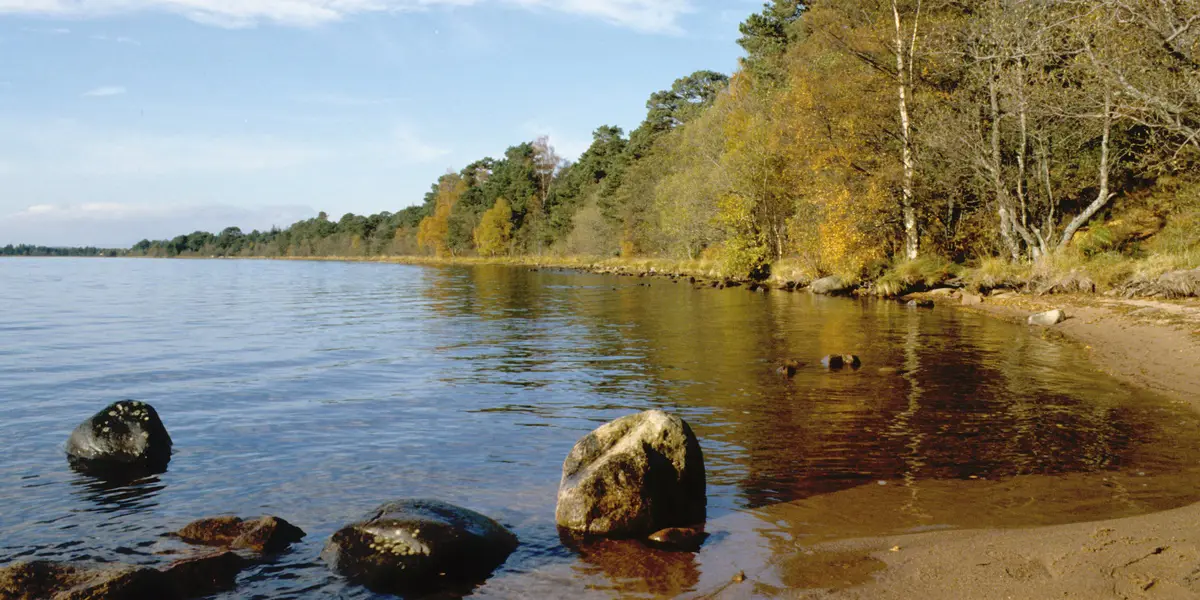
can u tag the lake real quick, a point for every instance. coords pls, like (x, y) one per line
(316, 391)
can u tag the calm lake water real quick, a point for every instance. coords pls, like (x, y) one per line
(317, 391)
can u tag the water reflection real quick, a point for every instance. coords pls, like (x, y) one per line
(314, 391)
(117, 491)
(634, 569)
(943, 395)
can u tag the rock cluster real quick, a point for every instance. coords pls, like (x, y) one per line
(641, 476)
(836, 362)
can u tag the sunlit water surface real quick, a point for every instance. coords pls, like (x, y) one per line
(316, 391)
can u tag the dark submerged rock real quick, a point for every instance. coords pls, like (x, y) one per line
(835, 362)
(419, 544)
(205, 575)
(789, 367)
(687, 539)
(265, 534)
(126, 435)
(632, 477)
(42, 580)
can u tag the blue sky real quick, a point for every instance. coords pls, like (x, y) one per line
(125, 119)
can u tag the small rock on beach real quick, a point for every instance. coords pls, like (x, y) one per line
(1048, 318)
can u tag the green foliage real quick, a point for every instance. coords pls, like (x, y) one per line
(27, 250)
(798, 159)
(766, 36)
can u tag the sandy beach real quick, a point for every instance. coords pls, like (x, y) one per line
(1151, 344)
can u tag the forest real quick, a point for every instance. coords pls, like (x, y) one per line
(28, 250)
(890, 142)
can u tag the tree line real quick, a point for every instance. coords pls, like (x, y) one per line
(855, 134)
(28, 250)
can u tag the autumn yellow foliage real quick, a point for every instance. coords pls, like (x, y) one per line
(495, 229)
(433, 231)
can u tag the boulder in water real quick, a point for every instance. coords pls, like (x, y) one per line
(1048, 318)
(127, 434)
(205, 575)
(40, 580)
(419, 544)
(835, 362)
(265, 534)
(789, 367)
(632, 477)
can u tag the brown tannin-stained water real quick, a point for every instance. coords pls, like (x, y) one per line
(317, 391)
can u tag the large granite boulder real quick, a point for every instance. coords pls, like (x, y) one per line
(632, 477)
(127, 434)
(830, 286)
(418, 545)
(264, 535)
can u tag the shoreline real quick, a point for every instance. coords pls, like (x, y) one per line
(1149, 344)
(1144, 343)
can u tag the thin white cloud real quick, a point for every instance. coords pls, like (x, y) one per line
(105, 91)
(345, 100)
(409, 147)
(652, 16)
(120, 39)
(51, 150)
(63, 148)
(40, 30)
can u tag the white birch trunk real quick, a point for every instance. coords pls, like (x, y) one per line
(907, 202)
(1102, 196)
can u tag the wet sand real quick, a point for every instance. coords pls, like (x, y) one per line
(1151, 344)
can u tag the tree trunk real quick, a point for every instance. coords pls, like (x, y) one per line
(1007, 219)
(1024, 149)
(1102, 196)
(903, 69)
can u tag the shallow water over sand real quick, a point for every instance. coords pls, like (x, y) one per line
(316, 391)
